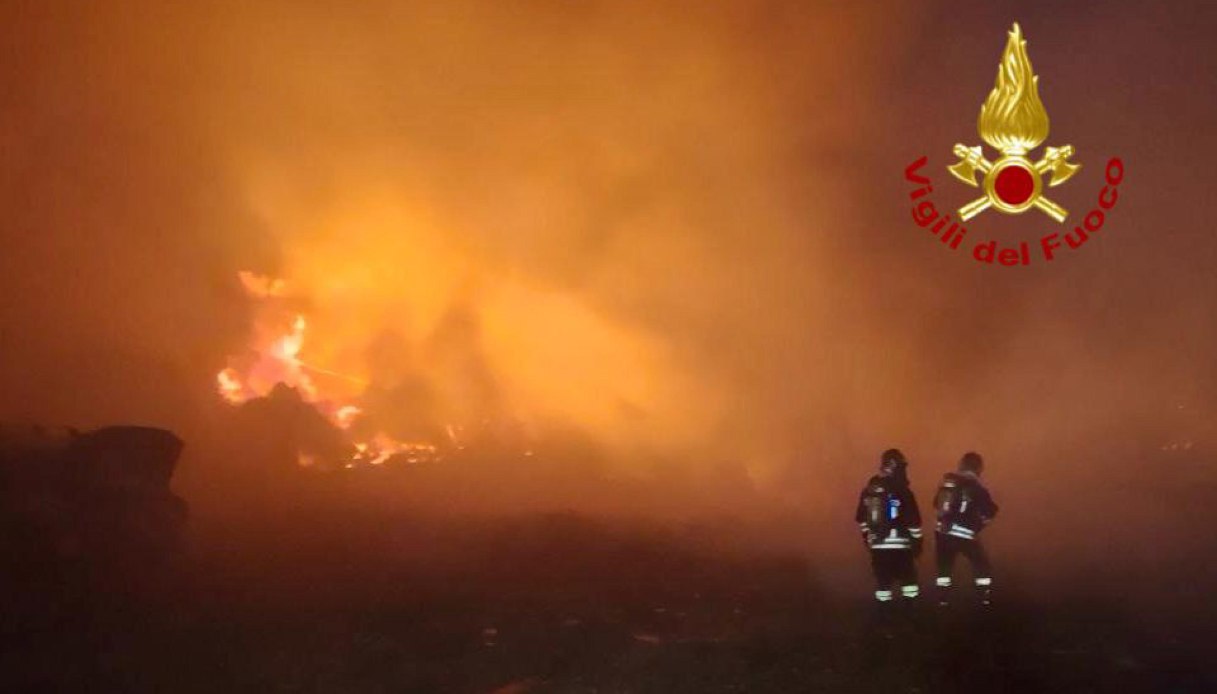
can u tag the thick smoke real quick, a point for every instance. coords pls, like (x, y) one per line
(580, 216)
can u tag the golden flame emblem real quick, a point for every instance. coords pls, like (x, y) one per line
(1013, 121)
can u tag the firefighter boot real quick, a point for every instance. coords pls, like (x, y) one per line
(942, 590)
(984, 589)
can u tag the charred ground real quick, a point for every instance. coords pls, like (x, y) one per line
(300, 595)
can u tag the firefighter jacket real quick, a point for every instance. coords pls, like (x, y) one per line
(963, 505)
(887, 514)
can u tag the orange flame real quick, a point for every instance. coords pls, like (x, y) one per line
(231, 387)
(261, 286)
(345, 415)
(278, 361)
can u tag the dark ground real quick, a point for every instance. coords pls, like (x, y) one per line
(554, 604)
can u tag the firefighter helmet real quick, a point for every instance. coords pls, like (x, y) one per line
(892, 460)
(971, 462)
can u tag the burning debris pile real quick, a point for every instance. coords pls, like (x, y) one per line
(325, 409)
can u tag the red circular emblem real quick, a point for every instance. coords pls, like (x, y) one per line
(1014, 185)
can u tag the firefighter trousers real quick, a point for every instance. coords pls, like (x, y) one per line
(947, 548)
(894, 570)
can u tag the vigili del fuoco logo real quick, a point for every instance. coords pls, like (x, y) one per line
(1014, 122)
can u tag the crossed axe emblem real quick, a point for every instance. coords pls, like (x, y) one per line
(972, 160)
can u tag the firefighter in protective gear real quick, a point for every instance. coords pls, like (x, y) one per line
(963, 507)
(891, 528)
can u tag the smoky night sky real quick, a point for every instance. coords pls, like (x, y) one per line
(680, 230)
